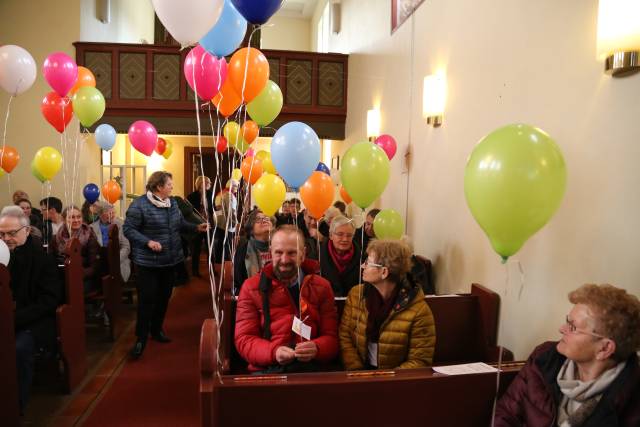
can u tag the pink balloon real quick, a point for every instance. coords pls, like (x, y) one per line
(143, 136)
(249, 153)
(204, 72)
(388, 144)
(61, 72)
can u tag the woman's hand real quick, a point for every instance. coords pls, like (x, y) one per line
(154, 246)
(203, 227)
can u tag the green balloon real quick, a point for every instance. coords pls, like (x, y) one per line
(36, 173)
(365, 172)
(88, 105)
(388, 225)
(514, 181)
(265, 107)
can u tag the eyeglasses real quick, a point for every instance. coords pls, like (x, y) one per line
(343, 235)
(263, 219)
(368, 263)
(574, 329)
(11, 234)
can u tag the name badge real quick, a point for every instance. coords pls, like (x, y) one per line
(300, 328)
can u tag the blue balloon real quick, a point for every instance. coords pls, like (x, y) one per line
(257, 11)
(295, 152)
(227, 34)
(105, 136)
(91, 192)
(323, 168)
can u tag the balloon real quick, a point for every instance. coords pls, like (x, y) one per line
(269, 192)
(85, 78)
(168, 149)
(61, 72)
(17, 69)
(257, 12)
(388, 225)
(9, 158)
(227, 34)
(4, 253)
(143, 137)
(204, 72)
(251, 169)
(388, 144)
(36, 173)
(248, 77)
(514, 181)
(111, 191)
(161, 146)
(317, 193)
(295, 152)
(232, 133)
(91, 192)
(47, 162)
(323, 168)
(262, 155)
(227, 100)
(365, 172)
(221, 144)
(267, 164)
(250, 153)
(188, 20)
(250, 131)
(88, 104)
(267, 105)
(236, 174)
(105, 136)
(57, 110)
(2, 173)
(345, 196)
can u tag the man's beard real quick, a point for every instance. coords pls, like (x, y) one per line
(288, 274)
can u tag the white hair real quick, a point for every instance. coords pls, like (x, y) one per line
(339, 221)
(15, 212)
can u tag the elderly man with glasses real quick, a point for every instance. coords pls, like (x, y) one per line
(591, 376)
(36, 289)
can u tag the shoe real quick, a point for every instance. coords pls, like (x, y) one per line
(137, 350)
(160, 337)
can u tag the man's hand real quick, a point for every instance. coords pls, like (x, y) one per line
(285, 355)
(154, 246)
(306, 351)
(203, 227)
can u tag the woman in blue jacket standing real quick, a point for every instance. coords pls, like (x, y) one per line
(153, 226)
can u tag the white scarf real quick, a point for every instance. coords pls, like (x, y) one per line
(157, 201)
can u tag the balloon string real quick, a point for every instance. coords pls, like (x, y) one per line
(246, 62)
(4, 132)
(9, 182)
(406, 208)
(522, 279)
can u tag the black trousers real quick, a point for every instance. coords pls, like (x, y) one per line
(155, 285)
(196, 248)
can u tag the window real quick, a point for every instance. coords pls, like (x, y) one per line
(324, 29)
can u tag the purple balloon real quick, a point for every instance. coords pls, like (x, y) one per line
(91, 192)
(61, 72)
(388, 144)
(323, 168)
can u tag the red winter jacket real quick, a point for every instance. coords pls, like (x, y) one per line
(533, 397)
(316, 302)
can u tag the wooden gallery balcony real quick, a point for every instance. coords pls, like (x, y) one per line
(146, 82)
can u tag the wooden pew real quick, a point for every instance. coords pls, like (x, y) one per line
(112, 284)
(9, 406)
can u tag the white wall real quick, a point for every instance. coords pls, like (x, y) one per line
(287, 34)
(131, 22)
(506, 61)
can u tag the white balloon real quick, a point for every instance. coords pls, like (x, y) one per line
(4, 253)
(17, 69)
(188, 20)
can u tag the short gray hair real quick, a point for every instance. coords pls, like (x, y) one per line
(339, 221)
(102, 207)
(15, 212)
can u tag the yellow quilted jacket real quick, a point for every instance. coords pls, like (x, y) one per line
(407, 337)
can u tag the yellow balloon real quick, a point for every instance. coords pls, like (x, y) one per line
(168, 149)
(1, 172)
(269, 193)
(236, 174)
(262, 155)
(47, 162)
(233, 134)
(267, 166)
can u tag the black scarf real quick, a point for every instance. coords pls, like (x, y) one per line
(378, 310)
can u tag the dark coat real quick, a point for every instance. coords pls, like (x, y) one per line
(533, 397)
(340, 282)
(146, 222)
(36, 286)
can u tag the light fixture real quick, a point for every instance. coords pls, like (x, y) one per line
(373, 124)
(619, 36)
(434, 96)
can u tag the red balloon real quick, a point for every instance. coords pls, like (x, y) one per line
(57, 110)
(161, 146)
(221, 144)
(388, 144)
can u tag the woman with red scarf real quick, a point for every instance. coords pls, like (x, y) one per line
(340, 257)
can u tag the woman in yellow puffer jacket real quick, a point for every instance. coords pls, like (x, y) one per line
(386, 323)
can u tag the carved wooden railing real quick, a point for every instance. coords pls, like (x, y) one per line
(147, 82)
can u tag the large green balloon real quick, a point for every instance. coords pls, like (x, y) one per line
(365, 172)
(388, 225)
(88, 105)
(514, 181)
(265, 107)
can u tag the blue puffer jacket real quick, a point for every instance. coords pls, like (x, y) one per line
(145, 222)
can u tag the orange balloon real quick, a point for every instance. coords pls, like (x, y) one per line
(317, 193)
(9, 158)
(256, 71)
(345, 196)
(250, 131)
(227, 100)
(251, 174)
(85, 78)
(111, 191)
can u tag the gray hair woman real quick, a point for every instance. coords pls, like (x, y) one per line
(102, 226)
(340, 256)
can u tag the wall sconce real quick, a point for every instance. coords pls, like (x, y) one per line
(434, 96)
(373, 124)
(619, 36)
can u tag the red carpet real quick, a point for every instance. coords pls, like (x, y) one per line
(161, 388)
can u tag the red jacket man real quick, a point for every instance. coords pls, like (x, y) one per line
(294, 290)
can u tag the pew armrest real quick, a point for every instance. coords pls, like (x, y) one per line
(208, 366)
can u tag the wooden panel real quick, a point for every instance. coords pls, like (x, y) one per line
(299, 81)
(9, 407)
(331, 83)
(166, 77)
(132, 75)
(100, 65)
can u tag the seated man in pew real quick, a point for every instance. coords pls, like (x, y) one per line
(36, 289)
(286, 296)
(591, 377)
